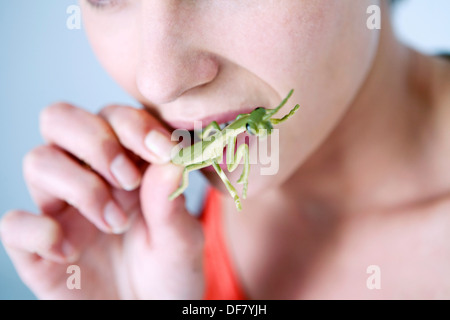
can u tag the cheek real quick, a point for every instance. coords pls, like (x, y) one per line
(114, 44)
(306, 43)
(324, 50)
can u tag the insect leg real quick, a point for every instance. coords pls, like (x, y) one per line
(228, 185)
(243, 152)
(233, 161)
(185, 181)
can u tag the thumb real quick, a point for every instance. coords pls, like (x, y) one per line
(168, 222)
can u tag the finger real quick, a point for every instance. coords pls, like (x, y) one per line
(174, 236)
(27, 235)
(89, 138)
(170, 225)
(139, 132)
(52, 174)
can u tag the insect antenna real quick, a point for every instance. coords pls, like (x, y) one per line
(290, 114)
(271, 112)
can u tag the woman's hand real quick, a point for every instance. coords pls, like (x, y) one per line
(102, 184)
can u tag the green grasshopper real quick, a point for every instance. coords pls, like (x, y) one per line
(209, 152)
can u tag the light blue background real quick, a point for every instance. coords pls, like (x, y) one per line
(41, 61)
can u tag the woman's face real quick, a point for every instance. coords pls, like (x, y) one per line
(213, 59)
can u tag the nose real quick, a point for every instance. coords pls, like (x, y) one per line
(172, 57)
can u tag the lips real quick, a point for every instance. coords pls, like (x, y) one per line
(196, 126)
(221, 119)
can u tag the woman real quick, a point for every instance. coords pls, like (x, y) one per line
(359, 206)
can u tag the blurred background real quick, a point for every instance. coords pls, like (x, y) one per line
(42, 61)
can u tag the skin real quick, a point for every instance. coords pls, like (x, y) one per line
(209, 151)
(363, 173)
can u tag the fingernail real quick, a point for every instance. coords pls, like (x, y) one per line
(115, 218)
(159, 144)
(125, 172)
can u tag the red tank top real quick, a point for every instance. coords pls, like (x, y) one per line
(221, 280)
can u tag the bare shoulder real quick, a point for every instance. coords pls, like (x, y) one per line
(427, 234)
(432, 221)
(409, 248)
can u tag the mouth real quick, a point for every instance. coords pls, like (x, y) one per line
(199, 124)
(195, 127)
(195, 134)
